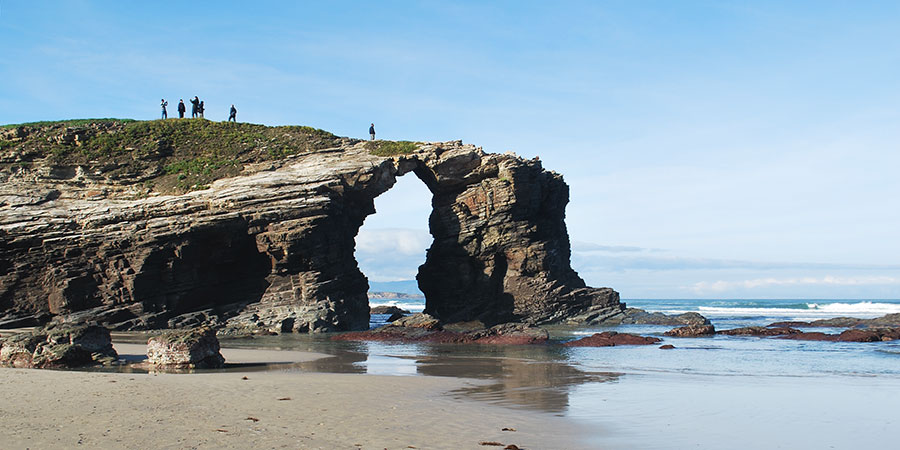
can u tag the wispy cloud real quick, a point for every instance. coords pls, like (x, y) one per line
(618, 257)
(582, 246)
(705, 287)
(393, 241)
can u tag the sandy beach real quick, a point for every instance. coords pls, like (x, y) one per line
(259, 409)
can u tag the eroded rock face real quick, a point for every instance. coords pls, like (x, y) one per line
(190, 349)
(272, 249)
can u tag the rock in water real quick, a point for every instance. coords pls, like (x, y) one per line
(636, 316)
(424, 328)
(58, 346)
(185, 349)
(388, 309)
(420, 320)
(692, 331)
(612, 339)
(759, 331)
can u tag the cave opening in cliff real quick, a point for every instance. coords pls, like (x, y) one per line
(391, 245)
(209, 270)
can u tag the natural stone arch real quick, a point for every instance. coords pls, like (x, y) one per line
(500, 250)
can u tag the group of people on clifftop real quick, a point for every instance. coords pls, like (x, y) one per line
(197, 109)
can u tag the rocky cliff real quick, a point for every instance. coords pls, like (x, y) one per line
(165, 224)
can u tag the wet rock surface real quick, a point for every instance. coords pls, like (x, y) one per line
(854, 335)
(388, 309)
(759, 331)
(692, 331)
(635, 316)
(424, 328)
(58, 346)
(888, 320)
(269, 247)
(185, 349)
(612, 339)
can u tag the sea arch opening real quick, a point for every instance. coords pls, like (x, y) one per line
(392, 244)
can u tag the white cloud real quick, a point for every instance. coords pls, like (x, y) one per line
(723, 286)
(392, 241)
(391, 254)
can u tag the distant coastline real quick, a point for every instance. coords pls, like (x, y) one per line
(380, 295)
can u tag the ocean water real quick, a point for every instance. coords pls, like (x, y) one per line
(715, 392)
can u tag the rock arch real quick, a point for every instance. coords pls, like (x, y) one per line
(500, 251)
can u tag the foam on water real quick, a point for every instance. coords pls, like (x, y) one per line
(409, 305)
(781, 309)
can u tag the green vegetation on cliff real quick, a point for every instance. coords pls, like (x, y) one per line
(174, 155)
(390, 148)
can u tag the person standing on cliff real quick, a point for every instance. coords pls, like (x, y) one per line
(232, 115)
(164, 103)
(195, 106)
(201, 109)
(372, 131)
(181, 108)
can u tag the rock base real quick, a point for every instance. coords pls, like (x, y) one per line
(613, 339)
(191, 349)
(59, 346)
(424, 328)
(692, 331)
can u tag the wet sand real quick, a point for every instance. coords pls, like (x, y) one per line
(268, 409)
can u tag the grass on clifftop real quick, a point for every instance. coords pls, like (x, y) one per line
(68, 123)
(390, 148)
(169, 156)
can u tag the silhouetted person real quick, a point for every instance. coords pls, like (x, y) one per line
(181, 108)
(372, 131)
(201, 108)
(195, 106)
(164, 103)
(232, 115)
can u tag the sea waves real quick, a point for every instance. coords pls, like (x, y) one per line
(411, 305)
(863, 310)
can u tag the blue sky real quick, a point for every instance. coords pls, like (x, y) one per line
(713, 148)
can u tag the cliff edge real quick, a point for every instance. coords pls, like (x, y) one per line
(167, 224)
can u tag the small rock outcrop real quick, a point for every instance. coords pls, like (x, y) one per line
(612, 339)
(636, 316)
(759, 331)
(888, 320)
(854, 335)
(188, 349)
(158, 224)
(692, 331)
(424, 328)
(388, 309)
(58, 346)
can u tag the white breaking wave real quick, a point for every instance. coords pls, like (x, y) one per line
(856, 308)
(813, 311)
(409, 306)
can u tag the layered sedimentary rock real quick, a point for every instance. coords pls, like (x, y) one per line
(271, 247)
